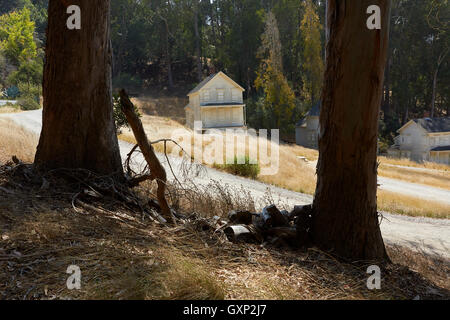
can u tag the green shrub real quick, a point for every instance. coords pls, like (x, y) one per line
(28, 89)
(28, 103)
(245, 169)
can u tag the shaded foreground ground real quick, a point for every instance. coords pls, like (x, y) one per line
(122, 254)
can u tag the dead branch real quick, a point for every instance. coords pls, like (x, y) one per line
(157, 170)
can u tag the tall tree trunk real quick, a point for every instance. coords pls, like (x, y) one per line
(435, 76)
(197, 43)
(78, 127)
(327, 31)
(433, 97)
(406, 116)
(168, 55)
(345, 217)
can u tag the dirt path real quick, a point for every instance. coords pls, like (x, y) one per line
(420, 191)
(425, 234)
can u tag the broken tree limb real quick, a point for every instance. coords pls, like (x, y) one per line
(156, 169)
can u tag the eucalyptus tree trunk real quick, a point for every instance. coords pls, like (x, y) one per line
(345, 218)
(78, 127)
(435, 78)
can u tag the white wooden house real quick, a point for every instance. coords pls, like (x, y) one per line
(217, 102)
(423, 140)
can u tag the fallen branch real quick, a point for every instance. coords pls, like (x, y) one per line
(157, 170)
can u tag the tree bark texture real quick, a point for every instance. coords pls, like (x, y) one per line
(78, 127)
(345, 218)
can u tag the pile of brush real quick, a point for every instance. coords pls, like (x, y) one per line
(272, 226)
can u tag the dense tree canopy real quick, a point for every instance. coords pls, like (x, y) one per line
(16, 36)
(164, 44)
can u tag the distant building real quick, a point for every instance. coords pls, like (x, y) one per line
(423, 140)
(217, 102)
(307, 130)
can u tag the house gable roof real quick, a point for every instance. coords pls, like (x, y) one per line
(434, 124)
(313, 112)
(430, 125)
(210, 78)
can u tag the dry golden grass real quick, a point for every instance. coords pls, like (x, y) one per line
(434, 178)
(300, 176)
(15, 141)
(293, 173)
(8, 109)
(409, 163)
(156, 128)
(309, 154)
(124, 256)
(411, 206)
(173, 107)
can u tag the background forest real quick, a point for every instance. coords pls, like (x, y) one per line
(274, 49)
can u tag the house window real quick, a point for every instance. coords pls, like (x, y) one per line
(433, 141)
(405, 139)
(220, 95)
(206, 95)
(235, 96)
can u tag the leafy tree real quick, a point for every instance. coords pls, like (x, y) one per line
(8, 5)
(271, 44)
(279, 99)
(28, 72)
(440, 39)
(312, 63)
(289, 14)
(16, 36)
(159, 43)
